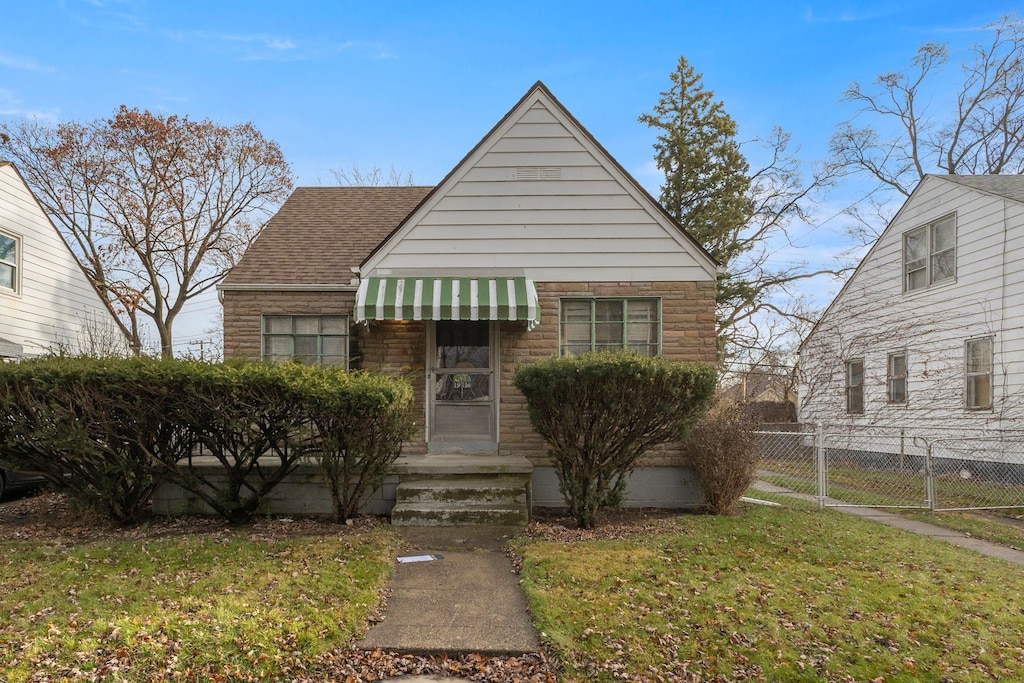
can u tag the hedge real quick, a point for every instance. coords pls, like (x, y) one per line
(109, 431)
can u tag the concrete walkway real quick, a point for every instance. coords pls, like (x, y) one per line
(470, 601)
(899, 522)
(467, 602)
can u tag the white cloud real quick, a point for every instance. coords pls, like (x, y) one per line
(252, 38)
(367, 49)
(845, 17)
(22, 63)
(11, 105)
(649, 175)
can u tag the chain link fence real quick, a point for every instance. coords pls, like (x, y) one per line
(896, 468)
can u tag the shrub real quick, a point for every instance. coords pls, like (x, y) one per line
(249, 417)
(95, 428)
(724, 456)
(109, 431)
(359, 423)
(600, 412)
(770, 412)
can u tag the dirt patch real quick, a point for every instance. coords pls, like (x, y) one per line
(556, 525)
(50, 518)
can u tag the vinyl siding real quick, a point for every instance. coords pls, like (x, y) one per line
(587, 224)
(56, 305)
(872, 317)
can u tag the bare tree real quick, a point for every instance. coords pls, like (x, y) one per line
(372, 177)
(156, 208)
(906, 126)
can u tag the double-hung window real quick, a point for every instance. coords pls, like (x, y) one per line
(897, 377)
(855, 386)
(929, 254)
(610, 325)
(309, 339)
(978, 359)
(9, 270)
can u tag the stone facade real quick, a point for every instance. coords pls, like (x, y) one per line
(688, 334)
(399, 348)
(244, 311)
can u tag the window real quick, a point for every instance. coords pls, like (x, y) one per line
(306, 338)
(610, 324)
(978, 354)
(897, 377)
(8, 263)
(855, 386)
(929, 254)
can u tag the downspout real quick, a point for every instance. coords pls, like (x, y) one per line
(1002, 322)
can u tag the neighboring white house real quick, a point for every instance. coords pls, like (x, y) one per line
(47, 303)
(928, 333)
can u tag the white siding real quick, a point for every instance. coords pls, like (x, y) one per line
(56, 306)
(588, 223)
(872, 317)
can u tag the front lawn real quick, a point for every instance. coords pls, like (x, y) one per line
(779, 594)
(773, 594)
(255, 603)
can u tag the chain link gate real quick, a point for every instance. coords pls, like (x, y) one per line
(896, 469)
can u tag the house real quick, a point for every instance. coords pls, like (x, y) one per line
(767, 392)
(928, 333)
(47, 303)
(537, 243)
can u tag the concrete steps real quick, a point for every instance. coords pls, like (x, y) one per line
(462, 490)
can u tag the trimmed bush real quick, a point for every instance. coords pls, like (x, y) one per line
(599, 412)
(359, 423)
(724, 456)
(249, 417)
(95, 428)
(109, 431)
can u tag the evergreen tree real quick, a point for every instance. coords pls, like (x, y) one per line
(732, 211)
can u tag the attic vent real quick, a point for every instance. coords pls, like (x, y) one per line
(538, 173)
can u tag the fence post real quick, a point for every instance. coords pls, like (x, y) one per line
(819, 438)
(929, 477)
(903, 449)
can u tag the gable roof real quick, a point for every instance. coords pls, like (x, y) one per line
(1007, 186)
(42, 210)
(540, 93)
(321, 233)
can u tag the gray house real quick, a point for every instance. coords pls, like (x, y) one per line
(537, 243)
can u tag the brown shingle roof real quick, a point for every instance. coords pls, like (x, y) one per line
(321, 233)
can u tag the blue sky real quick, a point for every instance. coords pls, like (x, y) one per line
(418, 84)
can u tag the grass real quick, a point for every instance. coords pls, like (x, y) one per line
(996, 529)
(190, 606)
(780, 594)
(894, 487)
(866, 487)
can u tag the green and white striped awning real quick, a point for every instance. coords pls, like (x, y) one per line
(448, 298)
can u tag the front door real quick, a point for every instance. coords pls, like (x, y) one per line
(462, 384)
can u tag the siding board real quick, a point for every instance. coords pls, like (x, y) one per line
(536, 203)
(568, 188)
(872, 317)
(588, 222)
(56, 303)
(538, 158)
